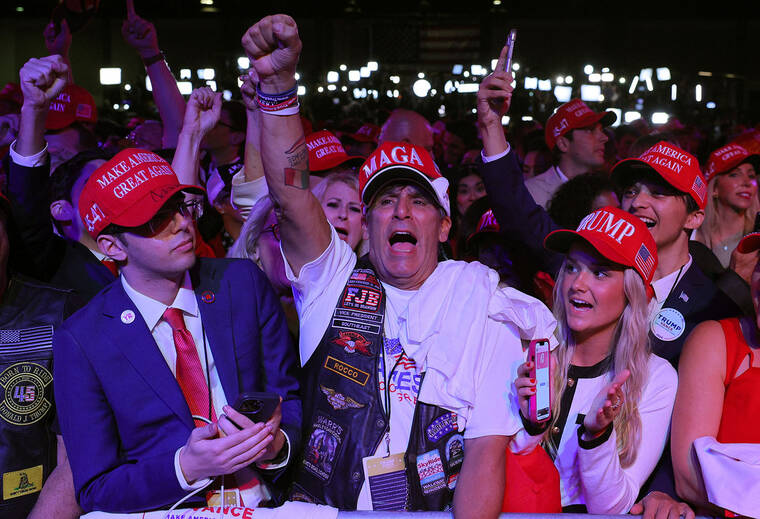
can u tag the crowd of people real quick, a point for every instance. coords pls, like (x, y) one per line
(375, 286)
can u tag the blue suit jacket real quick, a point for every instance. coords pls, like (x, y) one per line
(121, 411)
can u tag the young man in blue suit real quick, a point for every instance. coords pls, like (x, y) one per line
(176, 338)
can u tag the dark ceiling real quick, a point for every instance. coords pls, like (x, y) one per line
(523, 9)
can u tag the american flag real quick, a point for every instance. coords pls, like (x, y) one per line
(699, 188)
(24, 340)
(644, 260)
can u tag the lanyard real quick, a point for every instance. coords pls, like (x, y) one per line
(387, 398)
(678, 278)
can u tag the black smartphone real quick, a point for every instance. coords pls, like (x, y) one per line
(257, 407)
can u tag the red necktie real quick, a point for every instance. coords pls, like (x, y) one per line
(111, 265)
(189, 370)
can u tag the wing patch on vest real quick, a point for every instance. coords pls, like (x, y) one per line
(347, 370)
(339, 401)
(353, 342)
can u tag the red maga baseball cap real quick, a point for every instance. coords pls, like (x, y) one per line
(73, 104)
(749, 140)
(402, 161)
(367, 133)
(487, 224)
(677, 167)
(573, 115)
(727, 158)
(615, 234)
(326, 152)
(128, 190)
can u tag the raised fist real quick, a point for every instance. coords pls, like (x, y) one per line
(42, 80)
(140, 34)
(203, 110)
(273, 46)
(248, 91)
(57, 43)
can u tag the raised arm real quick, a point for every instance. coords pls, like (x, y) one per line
(512, 204)
(141, 35)
(201, 115)
(274, 46)
(59, 43)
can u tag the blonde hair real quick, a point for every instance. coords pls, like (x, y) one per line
(351, 180)
(712, 220)
(245, 245)
(631, 350)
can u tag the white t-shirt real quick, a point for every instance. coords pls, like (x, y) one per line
(316, 291)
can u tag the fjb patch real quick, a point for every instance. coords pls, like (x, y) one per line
(353, 342)
(339, 401)
(323, 446)
(430, 471)
(359, 298)
(441, 426)
(26, 395)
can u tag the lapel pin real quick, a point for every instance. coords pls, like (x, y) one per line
(207, 296)
(127, 317)
(684, 297)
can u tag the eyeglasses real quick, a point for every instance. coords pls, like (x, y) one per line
(274, 229)
(192, 209)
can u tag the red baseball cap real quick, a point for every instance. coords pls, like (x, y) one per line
(486, 224)
(677, 167)
(573, 115)
(128, 190)
(727, 158)
(749, 140)
(615, 234)
(402, 161)
(326, 152)
(367, 133)
(73, 104)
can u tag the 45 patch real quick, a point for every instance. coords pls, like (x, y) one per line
(26, 393)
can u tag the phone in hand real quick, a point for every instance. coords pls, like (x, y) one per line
(511, 38)
(257, 407)
(540, 404)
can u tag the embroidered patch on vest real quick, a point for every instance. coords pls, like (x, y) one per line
(25, 398)
(323, 445)
(366, 299)
(22, 482)
(339, 401)
(430, 470)
(454, 451)
(347, 370)
(357, 321)
(353, 342)
(441, 426)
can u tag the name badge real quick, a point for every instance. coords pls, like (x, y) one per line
(386, 478)
(668, 325)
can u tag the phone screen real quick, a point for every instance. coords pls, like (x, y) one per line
(543, 405)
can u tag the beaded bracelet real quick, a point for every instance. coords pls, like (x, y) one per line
(154, 59)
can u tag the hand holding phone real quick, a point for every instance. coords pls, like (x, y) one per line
(539, 404)
(511, 38)
(257, 407)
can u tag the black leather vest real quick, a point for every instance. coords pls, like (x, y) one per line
(28, 314)
(346, 419)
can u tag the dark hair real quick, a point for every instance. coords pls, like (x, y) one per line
(87, 138)
(66, 174)
(556, 152)
(573, 200)
(646, 174)
(236, 111)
